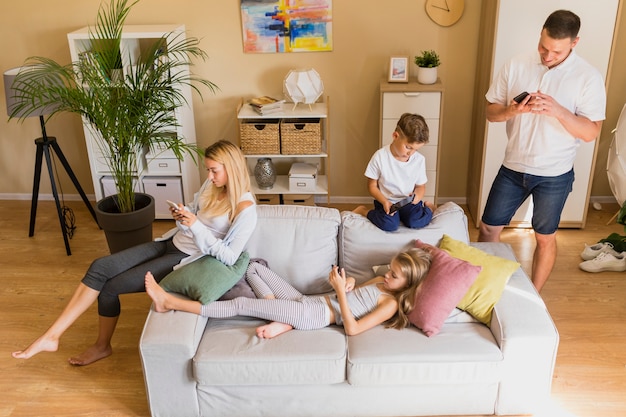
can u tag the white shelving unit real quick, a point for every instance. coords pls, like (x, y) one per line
(160, 174)
(283, 162)
(425, 100)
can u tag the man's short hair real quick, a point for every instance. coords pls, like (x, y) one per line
(562, 24)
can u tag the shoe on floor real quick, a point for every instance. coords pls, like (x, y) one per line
(592, 251)
(605, 262)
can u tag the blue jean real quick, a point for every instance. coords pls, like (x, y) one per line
(123, 272)
(511, 188)
(413, 216)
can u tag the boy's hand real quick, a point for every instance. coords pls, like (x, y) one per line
(387, 206)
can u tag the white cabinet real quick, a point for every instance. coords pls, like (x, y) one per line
(316, 113)
(425, 100)
(499, 43)
(160, 170)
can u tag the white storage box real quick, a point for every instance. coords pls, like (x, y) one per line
(108, 186)
(302, 177)
(162, 189)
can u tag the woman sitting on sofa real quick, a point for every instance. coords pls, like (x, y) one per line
(357, 308)
(219, 223)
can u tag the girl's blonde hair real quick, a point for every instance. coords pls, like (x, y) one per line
(231, 157)
(414, 264)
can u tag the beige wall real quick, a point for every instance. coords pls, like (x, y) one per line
(364, 38)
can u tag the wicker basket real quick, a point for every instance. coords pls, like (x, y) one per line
(300, 136)
(260, 137)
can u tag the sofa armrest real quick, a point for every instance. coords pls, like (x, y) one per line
(528, 338)
(167, 346)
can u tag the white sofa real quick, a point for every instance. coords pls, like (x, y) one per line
(194, 366)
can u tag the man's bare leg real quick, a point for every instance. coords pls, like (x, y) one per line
(164, 301)
(272, 329)
(49, 342)
(487, 233)
(102, 348)
(544, 259)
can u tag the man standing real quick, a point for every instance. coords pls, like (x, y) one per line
(566, 104)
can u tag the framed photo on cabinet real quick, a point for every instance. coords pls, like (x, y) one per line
(399, 69)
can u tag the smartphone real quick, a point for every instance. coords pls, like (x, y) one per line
(397, 206)
(520, 97)
(173, 205)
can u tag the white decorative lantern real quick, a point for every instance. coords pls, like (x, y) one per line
(303, 86)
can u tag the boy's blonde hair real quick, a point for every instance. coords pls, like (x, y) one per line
(414, 265)
(413, 127)
(234, 162)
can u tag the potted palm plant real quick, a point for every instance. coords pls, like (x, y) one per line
(129, 110)
(427, 63)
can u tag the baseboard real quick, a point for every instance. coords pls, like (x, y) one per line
(45, 197)
(356, 200)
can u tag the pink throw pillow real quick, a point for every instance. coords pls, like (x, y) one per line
(446, 283)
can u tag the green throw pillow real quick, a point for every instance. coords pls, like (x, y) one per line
(489, 285)
(205, 279)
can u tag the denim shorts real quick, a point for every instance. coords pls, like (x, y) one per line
(511, 188)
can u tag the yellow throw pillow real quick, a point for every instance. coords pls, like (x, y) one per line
(487, 289)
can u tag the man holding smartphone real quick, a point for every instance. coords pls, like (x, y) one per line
(565, 105)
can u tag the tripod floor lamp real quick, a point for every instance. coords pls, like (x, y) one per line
(45, 144)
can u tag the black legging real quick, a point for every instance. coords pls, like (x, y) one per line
(123, 272)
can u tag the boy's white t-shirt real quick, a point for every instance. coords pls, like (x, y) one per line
(396, 179)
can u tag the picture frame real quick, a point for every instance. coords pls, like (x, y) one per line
(399, 69)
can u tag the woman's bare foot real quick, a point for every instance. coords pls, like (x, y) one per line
(159, 295)
(272, 329)
(43, 344)
(92, 354)
(362, 210)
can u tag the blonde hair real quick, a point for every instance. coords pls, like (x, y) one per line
(231, 157)
(414, 264)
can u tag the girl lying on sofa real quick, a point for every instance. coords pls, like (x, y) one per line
(357, 308)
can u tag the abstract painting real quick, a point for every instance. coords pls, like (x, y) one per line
(276, 26)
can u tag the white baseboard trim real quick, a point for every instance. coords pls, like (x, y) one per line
(44, 197)
(356, 200)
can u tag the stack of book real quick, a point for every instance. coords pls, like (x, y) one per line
(266, 105)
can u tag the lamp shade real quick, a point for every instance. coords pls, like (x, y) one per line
(303, 86)
(13, 99)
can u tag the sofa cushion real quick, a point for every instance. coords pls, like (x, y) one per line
(363, 245)
(446, 283)
(230, 353)
(206, 279)
(487, 289)
(461, 353)
(303, 244)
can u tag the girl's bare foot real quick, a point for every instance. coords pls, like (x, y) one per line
(94, 353)
(43, 344)
(272, 329)
(159, 295)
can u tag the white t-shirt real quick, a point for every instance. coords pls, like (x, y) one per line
(539, 144)
(396, 179)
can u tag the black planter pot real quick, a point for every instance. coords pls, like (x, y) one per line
(123, 230)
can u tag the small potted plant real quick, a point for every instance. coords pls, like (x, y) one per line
(427, 64)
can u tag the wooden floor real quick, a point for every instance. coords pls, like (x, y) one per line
(38, 278)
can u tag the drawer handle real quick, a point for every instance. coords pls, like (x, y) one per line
(412, 94)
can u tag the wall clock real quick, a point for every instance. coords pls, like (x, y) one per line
(445, 12)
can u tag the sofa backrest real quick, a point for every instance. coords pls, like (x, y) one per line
(299, 243)
(363, 245)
